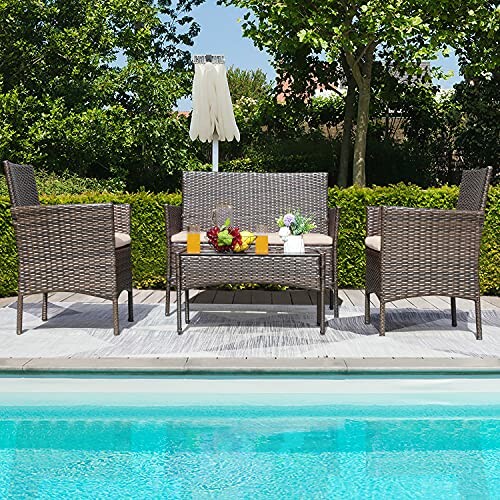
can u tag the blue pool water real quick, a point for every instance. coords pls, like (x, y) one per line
(264, 450)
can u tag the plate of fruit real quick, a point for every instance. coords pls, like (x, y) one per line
(227, 238)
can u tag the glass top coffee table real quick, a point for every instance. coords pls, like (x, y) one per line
(210, 268)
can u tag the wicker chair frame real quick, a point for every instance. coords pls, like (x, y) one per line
(256, 198)
(428, 251)
(69, 248)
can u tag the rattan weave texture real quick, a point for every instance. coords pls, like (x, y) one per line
(427, 251)
(211, 268)
(256, 198)
(67, 248)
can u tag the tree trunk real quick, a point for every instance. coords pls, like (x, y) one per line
(358, 174)
(363, 76)
(345, 151)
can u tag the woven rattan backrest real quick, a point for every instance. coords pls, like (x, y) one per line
(21, 184)
(474, 189)
(256, 198)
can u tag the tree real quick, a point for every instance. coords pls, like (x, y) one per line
(250, 84)
(91, 86)
(402, 33)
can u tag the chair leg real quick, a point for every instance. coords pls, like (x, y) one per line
(331, 299)
(19, 313)
(382, 319)
(336, 302)
(130, 305)
(318, 308)
(453, 311)
(167, 299)
(116, 321)
(367, 308)
(45, 306)
(186, 305)
(479, 329)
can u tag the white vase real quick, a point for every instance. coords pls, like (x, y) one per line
(294, 244)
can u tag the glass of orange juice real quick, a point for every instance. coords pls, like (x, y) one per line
(193, 239)
(262, 239)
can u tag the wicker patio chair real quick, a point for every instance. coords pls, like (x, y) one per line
(70, 248)
(413, 252)
(256, 198)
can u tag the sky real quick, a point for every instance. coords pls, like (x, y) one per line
(221, 33)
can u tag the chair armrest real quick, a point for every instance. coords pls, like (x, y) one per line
(333, 223)
(373, 221)
(61, 244)
(121, 217)
(430, 239)
(77, 227)
(173, 221)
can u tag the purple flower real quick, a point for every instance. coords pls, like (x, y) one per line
(288, 219)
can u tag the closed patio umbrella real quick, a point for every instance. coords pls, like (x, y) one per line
(213, 116)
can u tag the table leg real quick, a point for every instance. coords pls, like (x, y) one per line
(322, 327)
(179, 296)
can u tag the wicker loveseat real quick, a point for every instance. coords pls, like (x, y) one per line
(256, 198)
(69, 248)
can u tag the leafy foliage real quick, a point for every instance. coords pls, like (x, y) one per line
(148, 230)
(90, 86)
(67, 183)
(479, 130)
(297, 223)
(248, 84)
(352, 35)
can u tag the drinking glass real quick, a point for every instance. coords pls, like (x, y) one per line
(193, 239)
(262, 239)
(221, 213)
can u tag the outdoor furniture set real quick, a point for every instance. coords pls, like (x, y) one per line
(409, 252)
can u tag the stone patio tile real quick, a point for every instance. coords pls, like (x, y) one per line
(113, 365)
(266, 365)
(12, 364)
(418, 365)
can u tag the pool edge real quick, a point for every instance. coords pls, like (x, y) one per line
(185, 365)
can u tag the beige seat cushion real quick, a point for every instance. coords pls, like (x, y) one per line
(311, 239)
(122, 240)
(373, 242)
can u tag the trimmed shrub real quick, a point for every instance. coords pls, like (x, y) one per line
(148, 230)
(51, 183)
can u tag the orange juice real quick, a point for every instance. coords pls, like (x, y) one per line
(193, 242)
(262, 244)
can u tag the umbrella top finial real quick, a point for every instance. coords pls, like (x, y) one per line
(214, 59)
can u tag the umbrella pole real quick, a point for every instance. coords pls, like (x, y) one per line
(215, 153)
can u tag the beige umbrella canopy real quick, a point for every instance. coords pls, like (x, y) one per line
(213, 117)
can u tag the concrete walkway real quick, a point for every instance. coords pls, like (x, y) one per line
(228, 335)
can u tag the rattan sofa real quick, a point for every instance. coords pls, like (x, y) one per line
(71, 248)
(256, 198)
(414, 252)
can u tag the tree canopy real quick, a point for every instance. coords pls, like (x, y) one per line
(91, 85)
(352, 35)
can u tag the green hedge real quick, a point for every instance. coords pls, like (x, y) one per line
(149, 239)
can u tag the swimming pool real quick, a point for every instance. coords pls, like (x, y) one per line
(247, 437)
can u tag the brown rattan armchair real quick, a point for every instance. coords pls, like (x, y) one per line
(413, 252)
(70, 248)
(257, 198)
